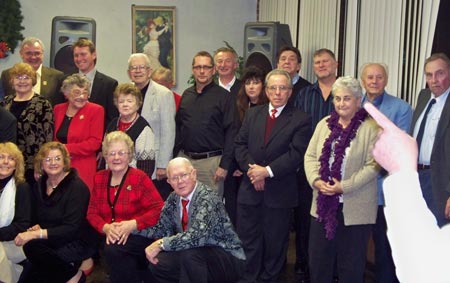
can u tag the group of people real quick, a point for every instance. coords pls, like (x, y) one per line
(86, 158)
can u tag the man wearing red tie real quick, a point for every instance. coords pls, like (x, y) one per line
(197, 242)
(269, 149)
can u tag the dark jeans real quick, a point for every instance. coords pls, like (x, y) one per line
(126, 262)
(197, 265)
(348, 247)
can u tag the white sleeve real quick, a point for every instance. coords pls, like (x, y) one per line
(419, 247)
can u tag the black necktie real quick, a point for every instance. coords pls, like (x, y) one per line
(424, 122)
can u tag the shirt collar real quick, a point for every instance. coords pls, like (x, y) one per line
(39, 71)
(279, 110)
(295, 79)
(442, 98)
(89, 75)
(228, 85)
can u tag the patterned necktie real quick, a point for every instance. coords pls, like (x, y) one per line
(424, 122)
(274, 111)
(184, 217)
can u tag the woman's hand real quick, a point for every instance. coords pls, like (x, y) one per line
(112, 233)
(118, 232)
(34, 228)
(24, 237)
(125, 228)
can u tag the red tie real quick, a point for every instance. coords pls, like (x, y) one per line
(184, 217)
(274, 111)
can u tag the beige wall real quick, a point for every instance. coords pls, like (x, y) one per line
(200, 25)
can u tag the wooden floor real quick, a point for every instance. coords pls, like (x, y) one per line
(99, 275)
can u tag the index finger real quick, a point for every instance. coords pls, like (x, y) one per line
(379, 117)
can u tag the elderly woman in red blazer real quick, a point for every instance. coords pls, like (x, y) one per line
(79, 125)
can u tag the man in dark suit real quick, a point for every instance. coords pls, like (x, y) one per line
(102, 86)
(269, 149)
(433, 137)
(48, 79)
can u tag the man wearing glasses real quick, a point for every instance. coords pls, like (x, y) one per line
(197, 242)
(206, 124)
(269, 149)
(158, 109)
(48, 80)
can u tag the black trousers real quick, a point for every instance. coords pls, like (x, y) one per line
(126, 263)
(302, 219)
(52, 263)
(384, 264)
(348, 247)
(264, 232)
(198, 265)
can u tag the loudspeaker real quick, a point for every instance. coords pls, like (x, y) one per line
(262, 40)
(65, 32)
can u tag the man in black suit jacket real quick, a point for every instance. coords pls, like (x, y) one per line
(48, 79)
(102, 86)
(269, 150)
(434, 150)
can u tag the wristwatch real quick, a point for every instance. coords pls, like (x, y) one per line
(160, 244)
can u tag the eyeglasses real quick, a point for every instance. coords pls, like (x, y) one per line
(138, 68)
(182, 177)
(4, 157)
(51, 159)
(204, 67)
(281, 88)
(31, 53)
(77, 93)
(121, 153)
(23, 78)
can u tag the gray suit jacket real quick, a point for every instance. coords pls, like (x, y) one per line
(159, 111)
(440, 155)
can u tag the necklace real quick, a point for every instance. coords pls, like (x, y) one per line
(335, 145)
(124, 126)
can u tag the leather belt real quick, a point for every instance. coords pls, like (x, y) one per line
(203, 155)
(423, 167)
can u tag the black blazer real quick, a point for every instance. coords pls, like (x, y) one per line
(440, 155)
(283, 152)
(102, 93)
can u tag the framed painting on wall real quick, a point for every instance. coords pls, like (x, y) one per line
(154, 34)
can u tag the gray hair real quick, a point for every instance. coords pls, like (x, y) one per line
(276, 72)
(370, 64)
(349, 84)
(31, 41)
(178, 160)
(75, 79)
(139, 55)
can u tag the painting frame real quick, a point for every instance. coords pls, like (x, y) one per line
(153, 33)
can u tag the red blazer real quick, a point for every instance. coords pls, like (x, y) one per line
(138, 199)
(84, 138)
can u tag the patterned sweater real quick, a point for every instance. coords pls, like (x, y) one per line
(208, 224)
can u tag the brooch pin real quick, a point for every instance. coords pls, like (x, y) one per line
(129, 187)
(44, 82)
(81, 117)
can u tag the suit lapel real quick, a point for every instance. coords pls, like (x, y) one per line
(443, 120)
(420, 107)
